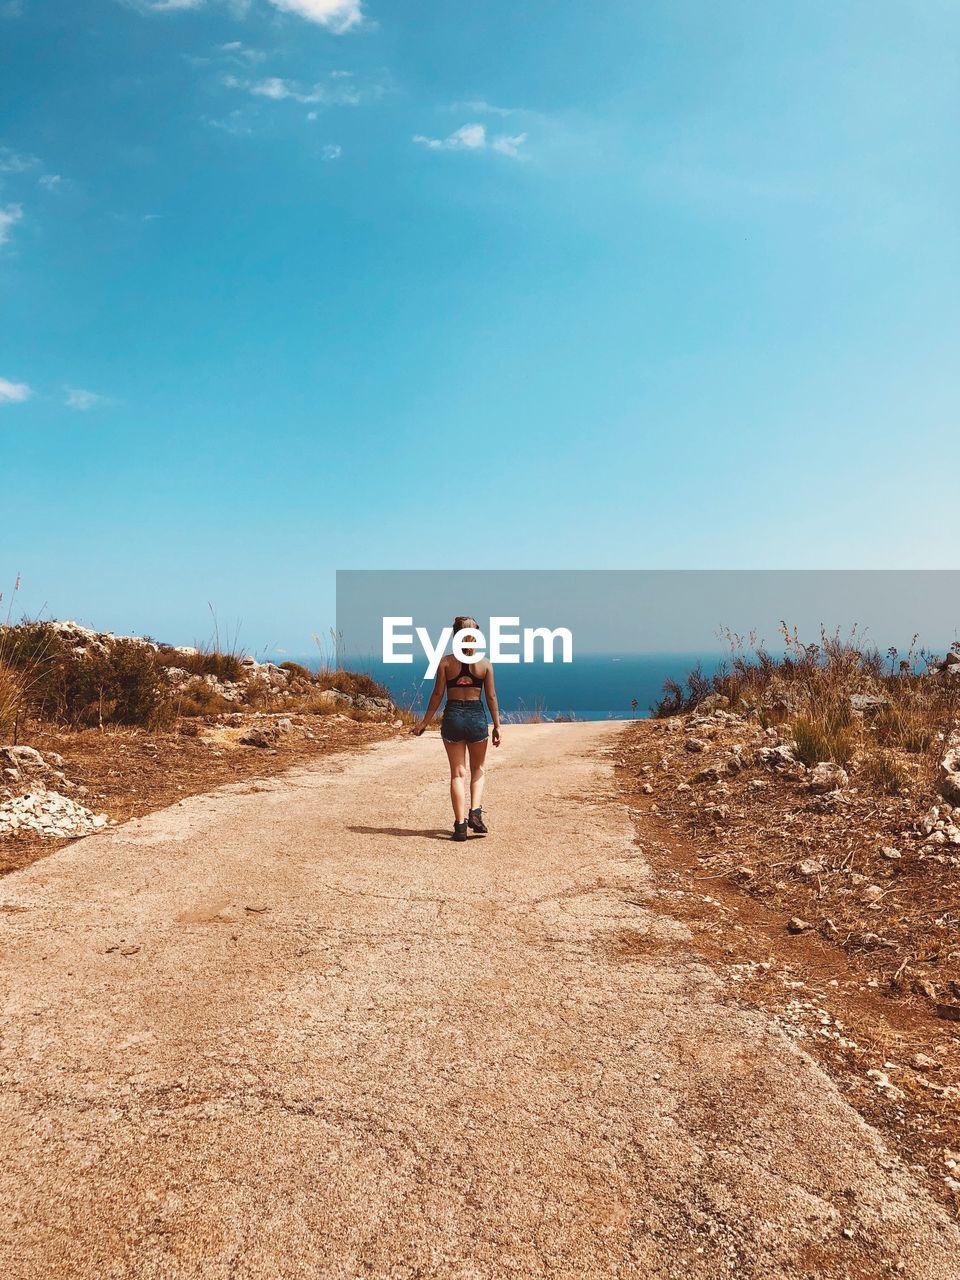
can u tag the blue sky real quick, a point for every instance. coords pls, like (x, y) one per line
(295, 285)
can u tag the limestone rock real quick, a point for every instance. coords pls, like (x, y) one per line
(827, 776)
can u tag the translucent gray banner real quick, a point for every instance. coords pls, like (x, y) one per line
(633, 628)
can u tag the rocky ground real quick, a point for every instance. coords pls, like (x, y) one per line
(117, 774)
(834, 908)
(58, 783)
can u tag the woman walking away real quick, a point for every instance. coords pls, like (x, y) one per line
(464, 729)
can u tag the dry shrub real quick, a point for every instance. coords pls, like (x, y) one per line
(906, 727)
(679, 698)
(12, 697)
(882, 771)
(197, 699)
(296, 670)
(536, 714)
(38, 656)
(811, 687)
(261, 695)
(352, 682)
(123, 686)
(224, 666)
(825, 734)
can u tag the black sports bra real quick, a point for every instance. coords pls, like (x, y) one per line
(465, 679)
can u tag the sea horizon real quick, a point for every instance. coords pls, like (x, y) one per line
(594, 686)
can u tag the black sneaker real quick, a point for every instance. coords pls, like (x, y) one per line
(459, 831)
(476, 823)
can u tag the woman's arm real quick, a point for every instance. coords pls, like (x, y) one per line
(436, 698)
(490, 690)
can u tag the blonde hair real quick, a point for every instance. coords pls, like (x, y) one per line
(463, 622)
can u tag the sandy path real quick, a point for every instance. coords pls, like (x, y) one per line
(347, 1047)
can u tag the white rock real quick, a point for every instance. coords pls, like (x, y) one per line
(809, 867)
(46, 813)
(827, 776)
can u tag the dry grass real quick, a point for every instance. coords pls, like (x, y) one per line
(883, 773)
(535, 714)
(352, 682)
(208, 661)
(841, 699)
(12, 697)
(827, 732)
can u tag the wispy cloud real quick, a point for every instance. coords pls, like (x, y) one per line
(164, 6)
(234, 122)
(15, 162)
(9, 217)
(237, 51)
(50, 181)
(332, 151)
(13, 392)
(338, 16)
(480, 108)
(337, 90)
(82, 400)
(474, 137)
(11, 9)
(335, 93)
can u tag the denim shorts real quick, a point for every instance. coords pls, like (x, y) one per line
(464, 721)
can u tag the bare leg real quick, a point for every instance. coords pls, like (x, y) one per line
(457, 755)
(478, 754)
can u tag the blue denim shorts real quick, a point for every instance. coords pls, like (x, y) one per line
(464, 721)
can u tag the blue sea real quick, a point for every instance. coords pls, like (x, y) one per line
(592, 687)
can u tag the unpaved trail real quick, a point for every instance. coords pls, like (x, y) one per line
(348, 1047)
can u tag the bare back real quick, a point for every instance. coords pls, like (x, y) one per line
(464, 681)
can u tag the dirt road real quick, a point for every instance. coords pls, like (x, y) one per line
(294, 1031)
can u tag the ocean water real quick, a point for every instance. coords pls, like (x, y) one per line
(592, 687)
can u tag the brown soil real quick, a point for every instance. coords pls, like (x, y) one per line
(851, 988)
(131, 772)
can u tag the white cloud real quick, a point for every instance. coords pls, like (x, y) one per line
(509, 144)
(337, 16)
(237, 51)
(276, 88)
(167, 6)
(481, 108)
(336, 92)
(474, 137)
(82, 400)
(469, 137)
(11, 9)
(9, 217)
(234, 123)
(14, 162)
(332, 151)
(13, 392)
(50, 181)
